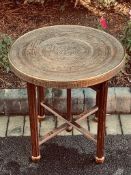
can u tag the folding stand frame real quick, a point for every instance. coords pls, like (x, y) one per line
(37, 108)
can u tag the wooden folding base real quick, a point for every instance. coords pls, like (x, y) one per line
(37, 113)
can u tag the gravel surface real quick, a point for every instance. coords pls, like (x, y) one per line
(65, 155)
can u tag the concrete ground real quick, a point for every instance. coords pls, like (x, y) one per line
(19, 125)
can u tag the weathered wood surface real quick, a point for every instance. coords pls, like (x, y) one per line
(47, 125)
(27, 126)
(126, 123)
(113, 125)
(15, 126)
(3, 125)
(66, 56)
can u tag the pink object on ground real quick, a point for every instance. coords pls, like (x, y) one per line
(103, 23)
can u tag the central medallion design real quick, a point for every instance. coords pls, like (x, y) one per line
(64, 49)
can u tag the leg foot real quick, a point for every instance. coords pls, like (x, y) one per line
(69, 129)
(99, 160)
(35, 159)
(41, 118)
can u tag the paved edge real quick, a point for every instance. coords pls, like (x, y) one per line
(14, 101)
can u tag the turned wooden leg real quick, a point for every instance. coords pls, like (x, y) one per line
(69, 108)
(101, 115)
(40, 98)
(33, 121)
(98, 97)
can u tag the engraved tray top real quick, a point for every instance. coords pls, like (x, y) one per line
(66, 56)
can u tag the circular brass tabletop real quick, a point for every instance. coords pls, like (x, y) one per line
(66, 56)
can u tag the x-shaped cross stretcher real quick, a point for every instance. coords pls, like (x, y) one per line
(67, 123)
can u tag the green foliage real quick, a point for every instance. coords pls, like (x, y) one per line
(126, 40)
(5, 44)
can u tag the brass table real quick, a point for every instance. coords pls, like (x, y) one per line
(66, 57)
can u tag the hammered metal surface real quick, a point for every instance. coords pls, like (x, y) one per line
(66, 56)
